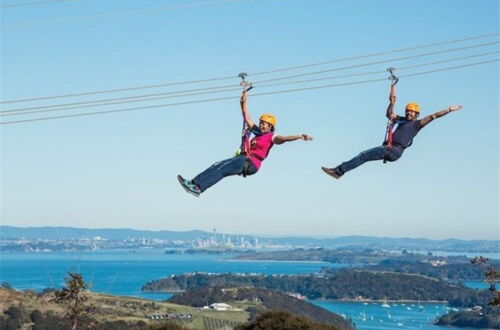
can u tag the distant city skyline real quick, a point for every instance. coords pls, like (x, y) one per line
(118, 170)
(224, 233)
(126, 237)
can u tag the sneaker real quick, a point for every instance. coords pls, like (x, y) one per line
(189, 186)
(331, 172)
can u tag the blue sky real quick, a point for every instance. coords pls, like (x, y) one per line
(118, 170)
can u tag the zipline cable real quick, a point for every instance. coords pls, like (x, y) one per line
(85, 18)
(235, 97)
(256, 73)
(383, 61)
(229, 88)
(120, 102)
(209, 90)
(136, 98)
(377, 54)
(25, 4)
(377, 72)
(446, 69)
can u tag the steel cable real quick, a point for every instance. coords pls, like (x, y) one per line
(235, 97)
(254, 74)
(210, 90)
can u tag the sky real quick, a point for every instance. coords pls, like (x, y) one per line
(118, 170)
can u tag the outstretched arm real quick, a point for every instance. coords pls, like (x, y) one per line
(280, 139)
(246, 116)
(392, 100)
(424, 121)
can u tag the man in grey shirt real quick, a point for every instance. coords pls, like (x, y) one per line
(393, 147)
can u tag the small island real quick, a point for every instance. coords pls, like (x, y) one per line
(346, 284)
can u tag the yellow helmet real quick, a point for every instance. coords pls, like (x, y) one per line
(413, 107)
(268, 118)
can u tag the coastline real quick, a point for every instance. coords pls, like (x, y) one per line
(288, 261)
(382, 301)
(346, 300)
(163, 291)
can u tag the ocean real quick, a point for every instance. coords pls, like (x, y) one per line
(124, 272)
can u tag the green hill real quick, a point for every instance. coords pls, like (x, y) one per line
(347, 284)
(28, 310)
(261, 300)
(281, 320)
(485, 317)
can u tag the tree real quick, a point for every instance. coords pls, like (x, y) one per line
(73, 295)
(281, 320)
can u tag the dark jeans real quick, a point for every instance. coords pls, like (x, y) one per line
(233, 166)
(377, 153)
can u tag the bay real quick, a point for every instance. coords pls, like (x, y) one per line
(373, 315)
(478, 285)
(124, 272)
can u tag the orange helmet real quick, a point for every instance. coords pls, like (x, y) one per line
(413, 107)
(268, 118)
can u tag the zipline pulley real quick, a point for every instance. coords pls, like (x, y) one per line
(245, 84)
(392, 76)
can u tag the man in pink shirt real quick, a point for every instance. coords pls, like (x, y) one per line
(249, 160)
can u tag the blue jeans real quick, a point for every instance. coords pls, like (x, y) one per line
(377, 153)
(233, 166)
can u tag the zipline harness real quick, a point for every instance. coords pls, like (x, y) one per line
(244, 148)
(245, 131)
(390, 122)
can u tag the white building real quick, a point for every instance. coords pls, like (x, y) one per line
(221, 307)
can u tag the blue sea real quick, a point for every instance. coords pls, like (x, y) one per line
(123, 272)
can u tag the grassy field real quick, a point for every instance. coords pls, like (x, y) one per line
(129, 309)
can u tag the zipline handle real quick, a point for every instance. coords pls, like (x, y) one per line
(392, 76)
(245, 84)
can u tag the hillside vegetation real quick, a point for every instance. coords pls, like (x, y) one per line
(27, 310)
(485, 317)
(452, 267)
(281, 320)
(262, 300)
(347, 284)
